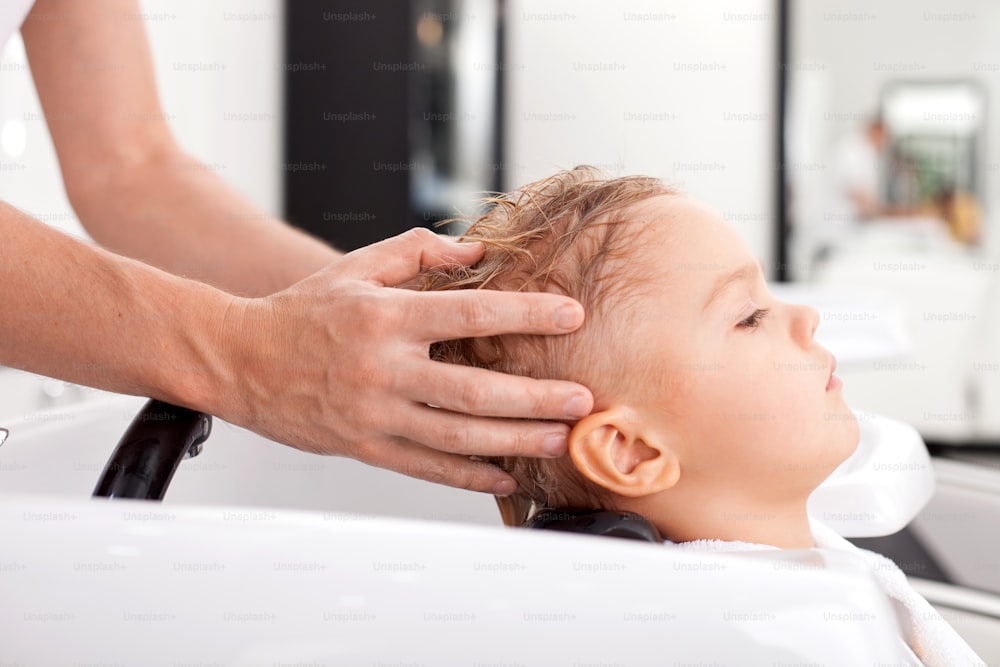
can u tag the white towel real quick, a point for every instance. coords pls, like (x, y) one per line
(930, 636)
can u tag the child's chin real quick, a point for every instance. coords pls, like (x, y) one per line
(844, 430)
(852, 434)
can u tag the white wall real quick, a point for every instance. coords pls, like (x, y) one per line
(682, 90)
(240, 43)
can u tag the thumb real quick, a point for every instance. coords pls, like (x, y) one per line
(401, 258)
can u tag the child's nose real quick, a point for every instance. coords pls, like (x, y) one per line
(805, 319)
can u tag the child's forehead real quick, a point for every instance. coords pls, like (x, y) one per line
(676, 208)
(680, 225)
(684, 242)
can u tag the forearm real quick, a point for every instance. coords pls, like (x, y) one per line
(85, 315)
(171, 211)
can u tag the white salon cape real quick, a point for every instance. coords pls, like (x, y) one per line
(927, 638)
(12, 13)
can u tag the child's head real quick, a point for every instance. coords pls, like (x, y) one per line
(709, 394)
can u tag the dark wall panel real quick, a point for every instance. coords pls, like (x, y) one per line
(347, 109)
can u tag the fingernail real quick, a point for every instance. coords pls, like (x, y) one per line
(505, 488)
(555, 444)
(568, 317)
(577, 407)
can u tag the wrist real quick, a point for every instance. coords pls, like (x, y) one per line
(235, 354)
(204, 365)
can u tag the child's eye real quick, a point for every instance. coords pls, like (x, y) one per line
(754, 320)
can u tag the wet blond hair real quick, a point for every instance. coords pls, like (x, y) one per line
(563, 234)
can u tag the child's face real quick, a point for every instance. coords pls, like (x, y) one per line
(746, 393)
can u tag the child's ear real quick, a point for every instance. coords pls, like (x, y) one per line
(615, 450)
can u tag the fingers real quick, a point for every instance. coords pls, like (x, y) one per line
(480, 392)
(415, 460)
(461, 313)
(481, 436)
(432, 316)
(399, 259)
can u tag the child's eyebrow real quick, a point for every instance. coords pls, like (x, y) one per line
(747, 272)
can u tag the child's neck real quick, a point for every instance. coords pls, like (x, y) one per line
(783, 525)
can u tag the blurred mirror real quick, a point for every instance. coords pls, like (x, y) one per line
(887, 107)
(455, 97)
(932, 134)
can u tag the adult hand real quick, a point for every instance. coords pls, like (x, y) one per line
(338, 364)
